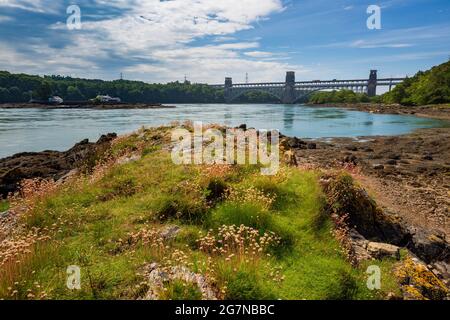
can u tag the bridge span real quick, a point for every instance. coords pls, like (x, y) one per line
(291, 91)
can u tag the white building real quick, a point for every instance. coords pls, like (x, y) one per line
(55, 99)
(107, 99)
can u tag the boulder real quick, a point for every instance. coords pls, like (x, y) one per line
(49, 164)
(380, 250)
(132, 158)
(429, 246)
(293, 143)
(170, 232)
(378, 166)
(391, 162)
(312, 145)
(350, 159)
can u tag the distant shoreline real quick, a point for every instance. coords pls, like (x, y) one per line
(101, 106)
(438, 111)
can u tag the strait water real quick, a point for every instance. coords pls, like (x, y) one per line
(59, 129)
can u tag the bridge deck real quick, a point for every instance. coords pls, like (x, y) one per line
(317, 83)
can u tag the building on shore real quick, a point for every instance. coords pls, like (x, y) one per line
(55, 100)
(107, 99)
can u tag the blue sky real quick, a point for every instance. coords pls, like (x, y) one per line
(160, 41)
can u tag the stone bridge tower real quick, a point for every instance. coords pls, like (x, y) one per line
(289, 88)
(372, 85)
(228, 89)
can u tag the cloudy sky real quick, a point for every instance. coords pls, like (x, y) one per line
(206, 40)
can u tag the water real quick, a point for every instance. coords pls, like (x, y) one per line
(37, 129)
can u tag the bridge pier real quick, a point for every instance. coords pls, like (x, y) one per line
(228, 92)
(289, 89)
(372, 84)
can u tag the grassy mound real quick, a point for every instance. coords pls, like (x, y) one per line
(250, 236)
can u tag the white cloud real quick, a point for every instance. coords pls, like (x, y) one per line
(375, 44)
(154, 40)
(397, 38)
(258, 54)
(32, 5)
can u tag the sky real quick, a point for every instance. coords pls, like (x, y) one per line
(207, 40)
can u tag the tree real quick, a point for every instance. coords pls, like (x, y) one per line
(73, 93)
(44, 91)
(4, 95)
(15, 94)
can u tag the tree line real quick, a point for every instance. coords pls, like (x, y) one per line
(23, 87)
(429, 87)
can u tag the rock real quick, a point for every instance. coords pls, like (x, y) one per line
(132, 158)
(170, 232)
(363, 213)
(418, 282)
(359, 246)
(351, 148)
(350, 159)
(442, 270)
(294, 143)
(394, 156)
(48, 164)
(428, 157)
(312, 146)
(380, 250)
(421, 169)
(391, 162)
(68, 176)
(429, 246)
(243, 127)
(106, 138)
(158, 276)
(378, 166)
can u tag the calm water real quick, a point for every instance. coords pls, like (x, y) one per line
(37, 130)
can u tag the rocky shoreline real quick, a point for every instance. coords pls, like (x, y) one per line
(49, 164)
(100, 106)
(408, 174)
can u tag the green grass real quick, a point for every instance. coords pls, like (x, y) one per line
(4, 205)
(93, 222)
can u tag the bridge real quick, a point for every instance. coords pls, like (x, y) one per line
(291, 91)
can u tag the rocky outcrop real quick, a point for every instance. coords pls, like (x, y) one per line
(157, 276)
(49, 164)
(378, 225)
(418, 282)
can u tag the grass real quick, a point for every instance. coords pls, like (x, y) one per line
(92, 224)
(4, 205)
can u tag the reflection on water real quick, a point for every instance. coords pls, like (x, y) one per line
(36, 130)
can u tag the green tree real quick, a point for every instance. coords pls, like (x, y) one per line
(44, 91)
(73, 93)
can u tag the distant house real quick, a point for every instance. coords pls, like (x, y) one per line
(107, 99)
(55, 100)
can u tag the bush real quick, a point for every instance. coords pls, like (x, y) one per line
(168, 207)
(215, 190)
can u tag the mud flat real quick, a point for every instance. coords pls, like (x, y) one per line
(407, 174)
(441, 111)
